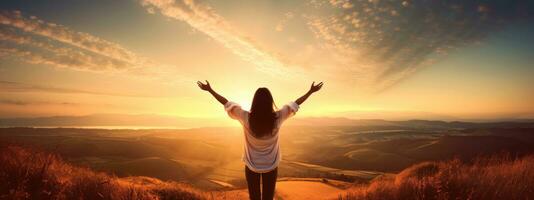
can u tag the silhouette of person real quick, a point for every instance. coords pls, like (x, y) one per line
(262, 151)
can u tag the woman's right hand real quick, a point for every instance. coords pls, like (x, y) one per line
(207, 87)
(315, 88)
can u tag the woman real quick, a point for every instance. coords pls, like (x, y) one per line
(261, 125)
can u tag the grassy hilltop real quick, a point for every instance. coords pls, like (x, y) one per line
(28, 173)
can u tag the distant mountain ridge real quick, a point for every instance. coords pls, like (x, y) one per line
(149, 120)
(111, 120)
(416, 123)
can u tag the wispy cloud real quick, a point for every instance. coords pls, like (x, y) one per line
(30, 49)
(13, 102)
(32, 40)
(382, 42)
(204, 19)
(65, 35)
(17, 87)
(282, 24)
(30, 103)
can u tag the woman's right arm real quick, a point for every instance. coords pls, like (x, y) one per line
(314, 88)
(234, 110)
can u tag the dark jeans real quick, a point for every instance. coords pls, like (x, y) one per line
(268, 182)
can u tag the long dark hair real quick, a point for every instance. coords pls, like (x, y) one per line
(262, 113)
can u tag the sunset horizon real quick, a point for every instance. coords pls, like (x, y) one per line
(272, 100)
(145, 59)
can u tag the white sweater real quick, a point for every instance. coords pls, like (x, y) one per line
(261, 155)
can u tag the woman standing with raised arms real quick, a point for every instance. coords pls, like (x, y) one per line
(261, 125)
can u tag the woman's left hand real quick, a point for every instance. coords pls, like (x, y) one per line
(206, 86)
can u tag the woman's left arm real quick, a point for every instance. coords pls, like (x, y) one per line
(207, 87)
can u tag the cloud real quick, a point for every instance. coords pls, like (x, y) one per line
(28, 103)
(65, 35)
(382, 42)
(32, 50)
(204, 19)
(32, 40)
(13, 102)
(36, 41)
(282, 24)
(11, 87)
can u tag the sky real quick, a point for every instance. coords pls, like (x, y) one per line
(378, 58)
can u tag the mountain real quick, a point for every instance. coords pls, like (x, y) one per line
(406, 124)
(143, 120)
(148, 120)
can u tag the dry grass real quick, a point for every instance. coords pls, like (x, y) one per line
(497, 177)
(26, 173)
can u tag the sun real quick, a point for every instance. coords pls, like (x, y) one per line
(244, 101)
